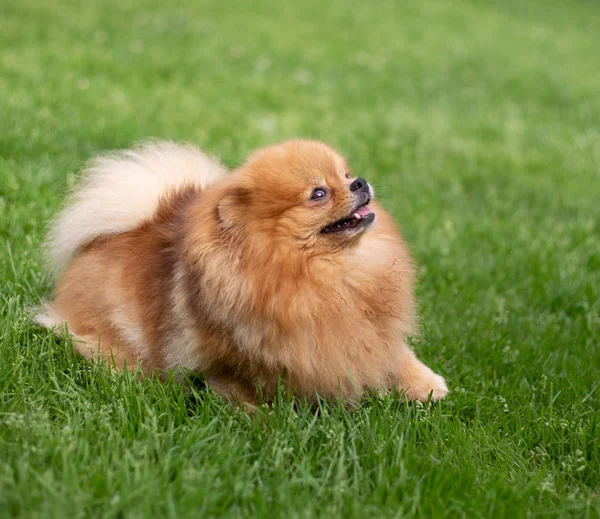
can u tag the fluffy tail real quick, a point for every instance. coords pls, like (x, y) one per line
(118, 192)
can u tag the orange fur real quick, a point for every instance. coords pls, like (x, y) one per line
(236, 281)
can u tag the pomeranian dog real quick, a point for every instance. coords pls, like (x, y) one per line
(283, 269)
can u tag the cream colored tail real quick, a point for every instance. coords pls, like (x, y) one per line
(117, 192)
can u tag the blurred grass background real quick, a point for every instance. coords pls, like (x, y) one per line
(479, 123)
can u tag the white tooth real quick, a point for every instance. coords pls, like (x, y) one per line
(356, 215)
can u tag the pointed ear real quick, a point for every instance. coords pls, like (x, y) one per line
(233, 206)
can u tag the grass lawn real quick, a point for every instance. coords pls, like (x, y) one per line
(479, 124)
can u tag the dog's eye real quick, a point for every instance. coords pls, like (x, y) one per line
(319, 193)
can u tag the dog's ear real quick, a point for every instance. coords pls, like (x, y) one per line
(233, 207)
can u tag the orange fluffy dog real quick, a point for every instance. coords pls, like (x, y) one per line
(283, 268)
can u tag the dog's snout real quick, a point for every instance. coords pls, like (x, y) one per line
(360, 184)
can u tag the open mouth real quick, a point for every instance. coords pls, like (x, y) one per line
(360, 217)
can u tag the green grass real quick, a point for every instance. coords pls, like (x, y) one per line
(478, 121)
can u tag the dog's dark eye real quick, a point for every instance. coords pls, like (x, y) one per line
(318, 193)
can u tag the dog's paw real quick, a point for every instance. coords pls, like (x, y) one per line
(431, 386)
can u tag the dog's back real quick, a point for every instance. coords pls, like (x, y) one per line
(120, 191)
(117, 194)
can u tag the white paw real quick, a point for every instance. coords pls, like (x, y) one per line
(432, 386)
(439, 389)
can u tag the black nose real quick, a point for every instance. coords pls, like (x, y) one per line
(360, 184)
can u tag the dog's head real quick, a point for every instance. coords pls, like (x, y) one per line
(299, 191)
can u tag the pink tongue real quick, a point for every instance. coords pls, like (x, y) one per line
(363, 211)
